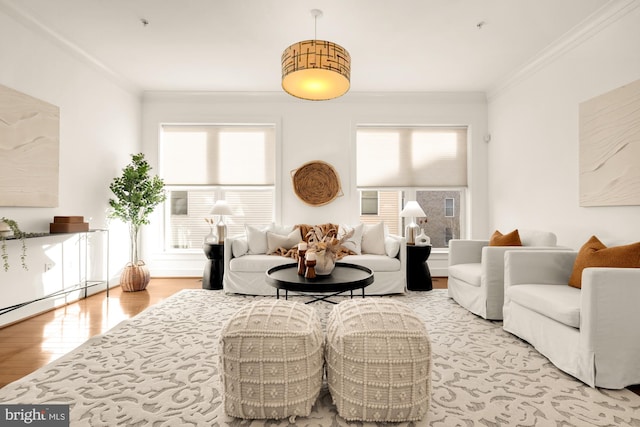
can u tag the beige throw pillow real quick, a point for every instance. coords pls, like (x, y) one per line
(275, 241)
(373, 239)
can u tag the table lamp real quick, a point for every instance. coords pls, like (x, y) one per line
(412, 210)
(221, 208)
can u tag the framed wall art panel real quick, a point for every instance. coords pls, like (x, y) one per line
(29, 150)
(610, 148)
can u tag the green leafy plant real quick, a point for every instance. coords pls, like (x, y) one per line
(18, 234)
(137, 193)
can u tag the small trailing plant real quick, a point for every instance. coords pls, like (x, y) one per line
(137, 194)
(18, 234)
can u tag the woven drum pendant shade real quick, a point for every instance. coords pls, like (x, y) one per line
(316, 70)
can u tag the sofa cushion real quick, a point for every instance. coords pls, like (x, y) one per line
(509, 239)
(257, 263)
(560, 303)
(377, 263)
(468, 273)
(373, 239)
(595, 254)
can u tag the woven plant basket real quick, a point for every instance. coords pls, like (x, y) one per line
(316, 183)
(135, 277)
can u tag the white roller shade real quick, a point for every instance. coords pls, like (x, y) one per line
(411, 157)
(218, 155)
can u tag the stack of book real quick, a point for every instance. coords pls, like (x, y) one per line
(68, 224)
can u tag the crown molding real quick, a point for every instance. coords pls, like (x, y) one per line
(596, 22)
(349, 97)
(30, 22)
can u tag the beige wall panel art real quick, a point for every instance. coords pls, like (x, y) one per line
(610, 148)
(29, 150)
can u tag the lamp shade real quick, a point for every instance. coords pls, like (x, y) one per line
(412, 209)
(221, 207)
(316, 70)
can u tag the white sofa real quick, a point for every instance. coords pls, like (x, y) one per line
(590, 333)
(245, 271)
(476, 271)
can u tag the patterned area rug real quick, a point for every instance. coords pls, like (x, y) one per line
(161, 369)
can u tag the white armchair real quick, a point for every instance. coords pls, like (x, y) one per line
(590, 333)
(476, 271)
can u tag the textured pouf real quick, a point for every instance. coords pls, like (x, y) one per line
(378, 358)
(271, 360)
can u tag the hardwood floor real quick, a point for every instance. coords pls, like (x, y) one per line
(439, 282)
(34, 342)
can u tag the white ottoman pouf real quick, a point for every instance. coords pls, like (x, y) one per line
(271, 360)
(378, 357)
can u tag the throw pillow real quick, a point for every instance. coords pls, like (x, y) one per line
(275, 241)
(373, 239)
(239, 247)
(353, 243)
(391, 246)
(283, 230)
(595, 254)
(256, 239)
(509, 239)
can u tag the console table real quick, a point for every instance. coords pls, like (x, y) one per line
(83, 282)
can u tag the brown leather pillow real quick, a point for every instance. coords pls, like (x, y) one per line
(595, 254)
(509, 239)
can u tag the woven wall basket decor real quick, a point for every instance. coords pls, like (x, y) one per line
(316, 183)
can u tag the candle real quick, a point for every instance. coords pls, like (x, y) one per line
(302, 246)
(311, 256)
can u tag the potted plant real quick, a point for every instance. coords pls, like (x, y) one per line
(137, 193)
(7, 228)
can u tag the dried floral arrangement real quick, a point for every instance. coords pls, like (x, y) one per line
(326, 242)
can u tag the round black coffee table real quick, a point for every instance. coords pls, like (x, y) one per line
(344, 277)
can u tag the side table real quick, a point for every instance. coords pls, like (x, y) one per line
(214, 266)
(418, 274)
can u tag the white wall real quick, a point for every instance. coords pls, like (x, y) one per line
(314, 131)
(533, 154)
(99, 127)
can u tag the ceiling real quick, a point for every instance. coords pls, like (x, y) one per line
(235, 45)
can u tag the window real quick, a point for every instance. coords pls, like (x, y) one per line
(389, 203)
(204, 163)
(449, 210)
(368, 203)
(422, 163)
(438, 225)
(448, 235)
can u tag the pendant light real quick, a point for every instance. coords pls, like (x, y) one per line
(316, 70)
